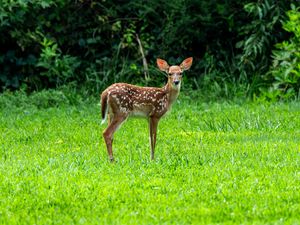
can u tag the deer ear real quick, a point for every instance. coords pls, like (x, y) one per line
(162, 65)
(186, 64)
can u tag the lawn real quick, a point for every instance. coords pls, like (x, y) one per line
(216, 163)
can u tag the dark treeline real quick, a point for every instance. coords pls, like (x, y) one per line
(91, 44)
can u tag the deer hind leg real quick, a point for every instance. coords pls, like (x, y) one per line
(110, 117)
(109, 133)
(153, 122)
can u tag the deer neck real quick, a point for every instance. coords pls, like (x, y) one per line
(172, 92)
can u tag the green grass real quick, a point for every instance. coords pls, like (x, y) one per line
(219, 163)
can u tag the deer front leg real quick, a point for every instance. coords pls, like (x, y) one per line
(109, 132)
(153, 122)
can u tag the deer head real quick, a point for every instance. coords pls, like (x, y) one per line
(174, 72)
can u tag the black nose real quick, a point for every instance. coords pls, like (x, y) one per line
(176, 82)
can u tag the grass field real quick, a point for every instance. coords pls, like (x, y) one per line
(216, 163)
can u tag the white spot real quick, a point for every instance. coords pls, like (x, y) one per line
(123, 110)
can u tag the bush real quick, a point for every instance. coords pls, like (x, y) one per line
(91, 44)
(284, 74)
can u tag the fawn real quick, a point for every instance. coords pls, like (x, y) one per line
(120, 101)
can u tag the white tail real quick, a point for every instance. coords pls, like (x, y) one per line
(121, 100)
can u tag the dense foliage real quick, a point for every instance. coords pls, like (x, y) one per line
(285, 72)
(86, 43)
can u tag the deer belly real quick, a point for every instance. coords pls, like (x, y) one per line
(141, 110)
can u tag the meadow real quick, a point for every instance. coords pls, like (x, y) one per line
(216, 163)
